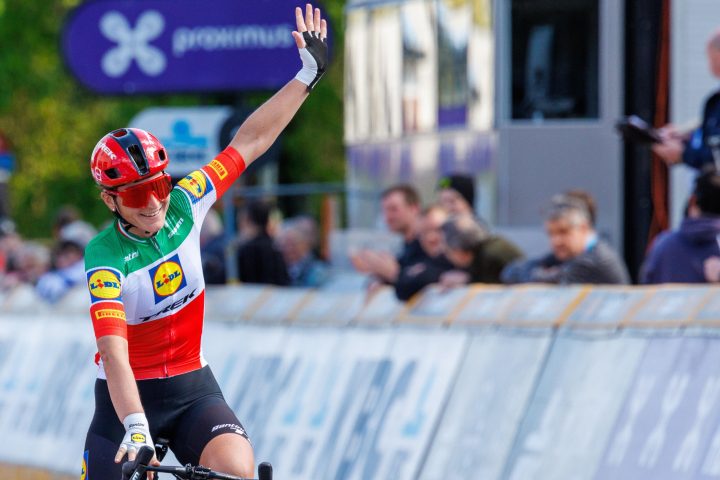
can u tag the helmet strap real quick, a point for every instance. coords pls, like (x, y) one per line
(126, 225)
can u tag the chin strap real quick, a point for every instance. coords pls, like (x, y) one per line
(127, 225)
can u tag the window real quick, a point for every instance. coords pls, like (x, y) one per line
(554, 59)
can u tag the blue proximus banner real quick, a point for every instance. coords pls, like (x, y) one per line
(158, 46)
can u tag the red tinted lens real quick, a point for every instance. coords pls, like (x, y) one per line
(138, 196)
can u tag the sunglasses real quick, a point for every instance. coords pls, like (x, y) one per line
(138, 195)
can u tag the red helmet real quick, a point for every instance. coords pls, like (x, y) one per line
(126, 155)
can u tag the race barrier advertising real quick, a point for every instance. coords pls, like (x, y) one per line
(478, 383)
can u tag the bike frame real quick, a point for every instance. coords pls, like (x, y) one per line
(193, 473)
(138, 468)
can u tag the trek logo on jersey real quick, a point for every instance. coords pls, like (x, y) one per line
(171, 307)
(104, 284)
(196, 184)
(167, 278)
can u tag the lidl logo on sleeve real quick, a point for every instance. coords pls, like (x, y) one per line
(196, 184)
(137, 438)
(104, 284)
(167, 278)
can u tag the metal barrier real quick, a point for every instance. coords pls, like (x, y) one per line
(482, 382)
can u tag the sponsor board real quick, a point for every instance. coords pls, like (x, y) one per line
(155, 46)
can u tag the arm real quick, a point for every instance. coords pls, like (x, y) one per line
(113, 350)
(109, 323)
(261, 128)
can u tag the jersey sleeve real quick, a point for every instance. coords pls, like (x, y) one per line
(204, 186)
(104, 281)
(106, 307)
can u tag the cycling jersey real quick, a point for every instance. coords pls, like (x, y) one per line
(151, 291)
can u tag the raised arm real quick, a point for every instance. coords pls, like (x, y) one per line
(261, 128)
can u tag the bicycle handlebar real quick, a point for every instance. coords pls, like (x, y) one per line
(137, 469)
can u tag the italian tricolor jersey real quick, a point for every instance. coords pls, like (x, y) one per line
(151, 291)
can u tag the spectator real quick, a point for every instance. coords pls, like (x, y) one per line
(588, 200)
(578, 255)
(67, 272)
(427, 270)
(258, 260)
(401, 210)
(700, 147)
(70, 226)
(457, 194)
(212, 249)
(10, 243)
(309, 228)
(29, 262)
(296, 244)
(478, 256)
(680, 256)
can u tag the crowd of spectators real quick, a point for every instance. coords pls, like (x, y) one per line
(444, 243)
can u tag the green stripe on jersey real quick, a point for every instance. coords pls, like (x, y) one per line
(112, 248)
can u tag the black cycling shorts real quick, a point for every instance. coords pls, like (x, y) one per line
(189, 410)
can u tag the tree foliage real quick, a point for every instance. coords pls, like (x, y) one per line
(53, 123)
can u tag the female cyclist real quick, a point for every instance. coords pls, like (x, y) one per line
(147, 290)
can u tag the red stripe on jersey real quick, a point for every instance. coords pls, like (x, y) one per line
(225, 169)
(170, 345)
(108, 319)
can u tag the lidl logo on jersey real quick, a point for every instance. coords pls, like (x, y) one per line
(167, 278)
(104, 284)
(83, 471)
(196, 184)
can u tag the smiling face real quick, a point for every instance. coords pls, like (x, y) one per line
(146, 220)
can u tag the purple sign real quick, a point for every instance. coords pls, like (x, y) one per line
(159, 46)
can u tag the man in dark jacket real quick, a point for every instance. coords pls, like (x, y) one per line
(578, 255)
(428, 268)
(401, 211)
(701, 147)
(477, 255)
(258, 259)
(680, 255)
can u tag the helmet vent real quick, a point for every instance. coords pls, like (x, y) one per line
(119, 133)
(139, 159)
(161, 154)
(112, 173)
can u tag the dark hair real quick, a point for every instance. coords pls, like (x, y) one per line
(408, 192)
(258, 213)
(463, 184)
(464, 233)
(707, 192)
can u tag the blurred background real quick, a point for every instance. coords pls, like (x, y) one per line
(505, 103)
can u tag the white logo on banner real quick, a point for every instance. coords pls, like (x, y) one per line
(133, 44)
(691, 444)
(637, 403)
(674, 394)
